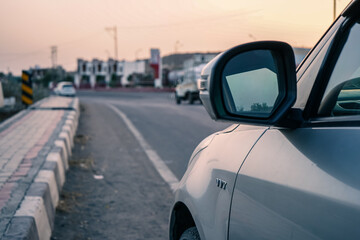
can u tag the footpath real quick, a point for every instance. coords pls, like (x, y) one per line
(35, 146)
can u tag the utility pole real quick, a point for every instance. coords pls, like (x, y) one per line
(113, 32)
(177, 45)
(334, 10)
(54, 76)
(53, 56)
(137, 53)
(252, 37)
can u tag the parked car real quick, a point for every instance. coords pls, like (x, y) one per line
(186, 91)
(289, 167)
(65, 89)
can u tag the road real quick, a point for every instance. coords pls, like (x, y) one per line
(113, 189)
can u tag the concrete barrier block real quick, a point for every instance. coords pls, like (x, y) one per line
(65, 158)
(42, 190)
(56, 157)
(65, 135)
(23, 227)
(34, 207)
(47, 176)
(71, 124)
(53, 166)
(67, 128)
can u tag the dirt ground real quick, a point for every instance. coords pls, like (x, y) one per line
(112, 191)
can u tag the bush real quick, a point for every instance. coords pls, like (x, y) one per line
(13, 89)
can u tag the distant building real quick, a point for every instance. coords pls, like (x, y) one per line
(45, 76)
(97, 73)
(184, 66)
(197, 59)
(176, 61)
(191, 68)
(38, 73)
(133, 72)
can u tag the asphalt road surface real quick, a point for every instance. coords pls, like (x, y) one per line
(116, 187)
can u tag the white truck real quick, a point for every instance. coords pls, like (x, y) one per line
(187, 90)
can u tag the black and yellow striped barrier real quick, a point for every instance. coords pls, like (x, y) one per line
(26, 87)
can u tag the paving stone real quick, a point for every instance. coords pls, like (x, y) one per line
(4, 222)
(25, 142)
(3, 179)
(5, 174)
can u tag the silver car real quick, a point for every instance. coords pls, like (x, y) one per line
(65, 89)
(290, 166)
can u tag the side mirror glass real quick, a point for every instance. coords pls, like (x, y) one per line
(250, 84)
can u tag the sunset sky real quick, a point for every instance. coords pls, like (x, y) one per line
(77, 27)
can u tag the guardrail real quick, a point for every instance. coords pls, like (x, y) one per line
(35, 146)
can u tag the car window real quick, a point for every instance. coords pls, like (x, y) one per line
(309, 69)
(342, 95)
(67, 86)
(313, 55)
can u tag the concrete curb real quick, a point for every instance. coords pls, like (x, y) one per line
(34, 219)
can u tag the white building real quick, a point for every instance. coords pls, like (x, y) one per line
(97, 73)
(130, 68)
(194, 65)
(198, 59)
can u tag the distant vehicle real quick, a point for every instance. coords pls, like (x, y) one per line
(186, 91)
(65, 89)
(289, 167)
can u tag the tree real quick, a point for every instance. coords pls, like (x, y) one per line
(257, 107)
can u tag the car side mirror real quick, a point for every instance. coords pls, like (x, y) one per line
(252, 83)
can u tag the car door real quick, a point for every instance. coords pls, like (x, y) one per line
(304, 183)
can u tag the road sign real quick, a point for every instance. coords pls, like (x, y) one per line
(155, 63)
(26, 88)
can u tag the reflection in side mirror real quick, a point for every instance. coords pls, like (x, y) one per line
(253, 83)
(250, 84)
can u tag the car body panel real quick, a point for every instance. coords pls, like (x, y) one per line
(299, 184)
(284, 183)
(198, 189)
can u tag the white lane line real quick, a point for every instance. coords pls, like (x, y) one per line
(155, 159)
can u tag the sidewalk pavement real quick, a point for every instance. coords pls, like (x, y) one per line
(35, 146)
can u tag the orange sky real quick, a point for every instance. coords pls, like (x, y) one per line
(77, 27)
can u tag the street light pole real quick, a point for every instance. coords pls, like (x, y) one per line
(177, 46)
(113, 30)
(136, 53)
(334, 10)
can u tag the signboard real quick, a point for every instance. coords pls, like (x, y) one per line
(155, 63)
(26, 88)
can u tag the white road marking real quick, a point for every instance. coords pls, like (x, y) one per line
(155, 159)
